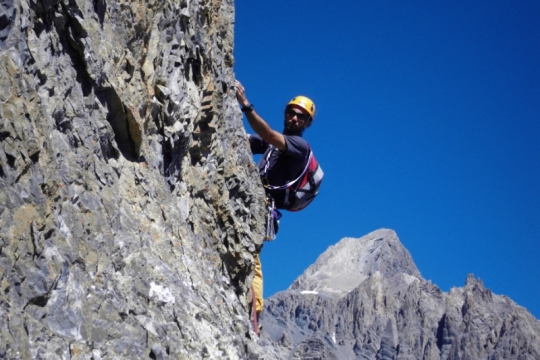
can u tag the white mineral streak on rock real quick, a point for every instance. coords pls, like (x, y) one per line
(63, 228)
(162, 293)
(183, 206)
(147, 323)
(309, 292)
(409, 279)
(378, 292)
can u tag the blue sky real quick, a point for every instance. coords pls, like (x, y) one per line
(428, 123)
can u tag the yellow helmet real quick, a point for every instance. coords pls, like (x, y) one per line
(305, 103)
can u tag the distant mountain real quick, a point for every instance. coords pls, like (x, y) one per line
(365, 299)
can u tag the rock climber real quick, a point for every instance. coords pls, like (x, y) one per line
(286, 158)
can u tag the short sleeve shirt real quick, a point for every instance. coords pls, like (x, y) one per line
(284, 166)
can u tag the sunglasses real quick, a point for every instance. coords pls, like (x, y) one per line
(299, 116)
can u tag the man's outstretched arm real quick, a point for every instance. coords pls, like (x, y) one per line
(257, 123)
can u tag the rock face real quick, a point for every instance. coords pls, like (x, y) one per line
(365, 299)
(130, 208)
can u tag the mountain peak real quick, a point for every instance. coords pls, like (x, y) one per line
(364, 299)
(343, 266)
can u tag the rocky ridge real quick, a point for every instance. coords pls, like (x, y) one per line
(365, 299)
(130, 207)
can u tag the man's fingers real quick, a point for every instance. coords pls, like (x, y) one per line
(239, 86)
(240, 92)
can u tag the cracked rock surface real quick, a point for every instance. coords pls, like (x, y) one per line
(130, 207)
(365, 299)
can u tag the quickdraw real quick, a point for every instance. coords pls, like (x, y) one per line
(271, 220)
(270, 230)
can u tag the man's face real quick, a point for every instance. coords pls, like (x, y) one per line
(295, 118)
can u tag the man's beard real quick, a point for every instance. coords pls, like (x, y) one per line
(287, 131)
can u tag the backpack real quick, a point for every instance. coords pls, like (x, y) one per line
(304, 188)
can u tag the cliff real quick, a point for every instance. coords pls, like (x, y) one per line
(365, 299)
(130, 208)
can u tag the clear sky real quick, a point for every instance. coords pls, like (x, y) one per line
(428, 123)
